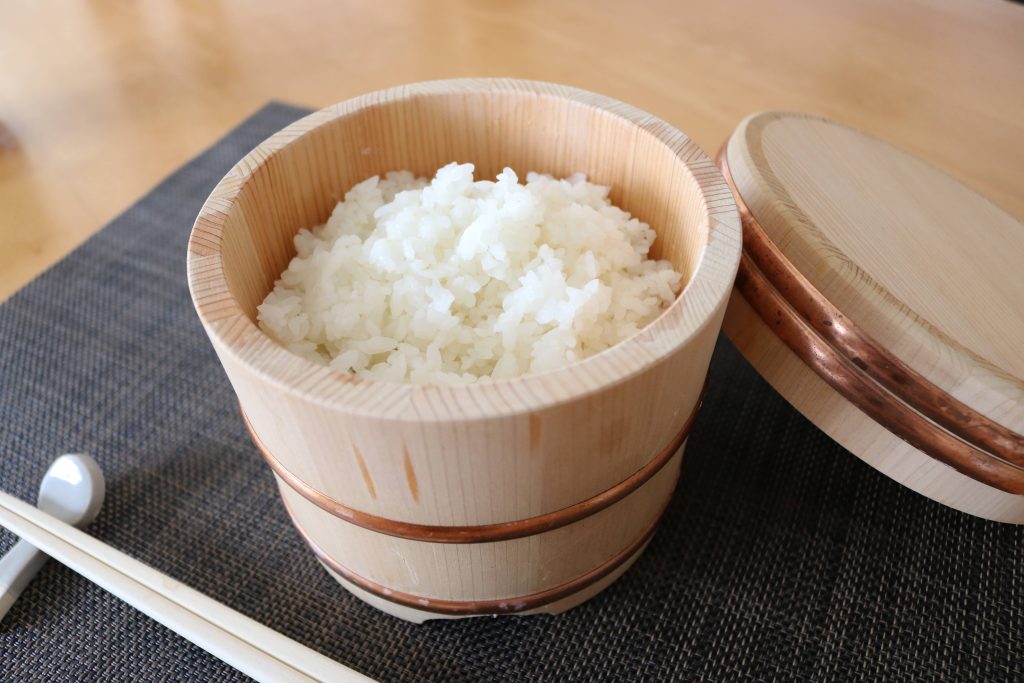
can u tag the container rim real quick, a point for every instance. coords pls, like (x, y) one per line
(238, 339)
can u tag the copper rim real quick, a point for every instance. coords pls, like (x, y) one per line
(481, 533)
(483, 607)
(869, 377)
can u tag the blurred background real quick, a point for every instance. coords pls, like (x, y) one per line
(101, 99)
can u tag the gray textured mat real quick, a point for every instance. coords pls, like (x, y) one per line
(781, 556)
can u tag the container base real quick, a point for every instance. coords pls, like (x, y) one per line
(419, 616)
(550, 599)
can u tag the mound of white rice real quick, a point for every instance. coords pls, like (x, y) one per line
(454, 280)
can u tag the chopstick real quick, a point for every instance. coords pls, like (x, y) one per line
(247, 645)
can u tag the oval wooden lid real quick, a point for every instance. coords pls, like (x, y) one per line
(903, 288)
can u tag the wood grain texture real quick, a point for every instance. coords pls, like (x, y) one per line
(482, 454)
(420, 615)
(484, 533)
(507, 571)
(854, 430)
(549, 600)
(925, 273)
(137, 88)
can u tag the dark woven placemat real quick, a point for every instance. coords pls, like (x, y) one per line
(781, 556)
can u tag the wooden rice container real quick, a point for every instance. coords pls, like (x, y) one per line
(522, 495)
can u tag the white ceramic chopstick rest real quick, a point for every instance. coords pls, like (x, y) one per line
(72, 490)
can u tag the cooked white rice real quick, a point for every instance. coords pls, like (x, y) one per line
(454, 280)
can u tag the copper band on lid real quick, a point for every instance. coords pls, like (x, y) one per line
(483, 533)
(869, 377)
(510, 605)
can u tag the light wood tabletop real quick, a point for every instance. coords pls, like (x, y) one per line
(100, 100)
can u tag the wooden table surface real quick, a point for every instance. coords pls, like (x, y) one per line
(100, 100)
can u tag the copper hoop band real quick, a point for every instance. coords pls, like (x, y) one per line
(482, 533)
(855, 366)
(482, 607)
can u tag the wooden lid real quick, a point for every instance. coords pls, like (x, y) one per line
(897, 284)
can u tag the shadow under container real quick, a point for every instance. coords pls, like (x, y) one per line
(523, 495)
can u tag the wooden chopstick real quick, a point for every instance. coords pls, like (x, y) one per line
(247, 645)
